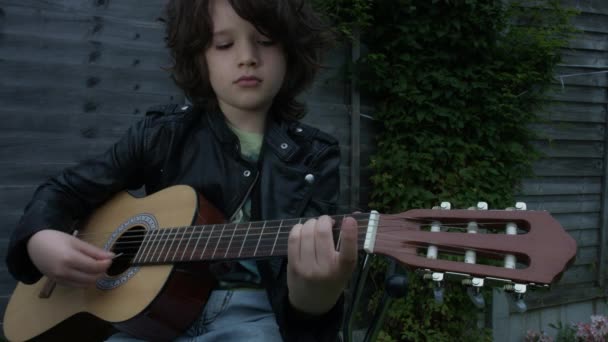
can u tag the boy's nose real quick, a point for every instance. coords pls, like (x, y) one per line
(248, 55)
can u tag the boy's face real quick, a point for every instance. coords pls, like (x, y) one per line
(246, 69)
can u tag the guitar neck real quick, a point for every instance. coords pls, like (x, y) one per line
(229, 241)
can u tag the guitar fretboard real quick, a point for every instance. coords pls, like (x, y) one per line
(226, 241)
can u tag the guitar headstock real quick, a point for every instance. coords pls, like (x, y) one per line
(513, 247)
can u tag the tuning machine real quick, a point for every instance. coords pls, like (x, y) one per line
(518, 292)
(474, 286)
(438, 289)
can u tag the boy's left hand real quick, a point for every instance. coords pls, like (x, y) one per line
(316, 272)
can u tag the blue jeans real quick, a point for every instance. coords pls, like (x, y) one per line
(231, 316)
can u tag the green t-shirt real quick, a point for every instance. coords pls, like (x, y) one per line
(251, 144)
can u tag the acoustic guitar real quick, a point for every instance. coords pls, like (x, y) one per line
(160, 279)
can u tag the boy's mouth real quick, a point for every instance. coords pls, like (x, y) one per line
(248, 81)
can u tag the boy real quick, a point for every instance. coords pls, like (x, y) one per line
(241, 64)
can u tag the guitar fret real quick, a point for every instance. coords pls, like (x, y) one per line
(207, 242)
(229, 243)
(179, 241)
(164, 240)
(141, 247)
(175, 230)
(187, 242)
(245, 239)
(277, 237)
(201, 229)
(260, 238)
(153, 240)
(218, 242)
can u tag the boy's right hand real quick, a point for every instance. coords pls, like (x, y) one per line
(66, 259)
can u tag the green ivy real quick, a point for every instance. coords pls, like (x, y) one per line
(456, 84)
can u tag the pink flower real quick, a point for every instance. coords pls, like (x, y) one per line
(596, 331)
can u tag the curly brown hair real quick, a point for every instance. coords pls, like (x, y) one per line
(292, 23)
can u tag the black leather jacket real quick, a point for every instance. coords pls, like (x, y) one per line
(296, 176)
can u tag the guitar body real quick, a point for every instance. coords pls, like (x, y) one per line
(155, 302)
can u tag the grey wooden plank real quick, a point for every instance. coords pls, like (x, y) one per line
(575, 76)
(4, 298)
(66, 124)
(331, 118)
(14, 199)
(29, 174)
(573, 112)
(532, 321)
(589, 41)
(324, 114)
(591, 22)
(3, 247)
(587, 6)
(587, 255)
(569, 167)
(78, 100)
(585, 237)
(571, 57)
(569, 149)
(561, 186)
(129, 9)
(7, 285)
(570, 131)
(93, 77)
(35, 49)
(321, 92)
(85, 132)
(8, 219)
(79, 26)
(575, 311)
(578, 221)
(603, 230)
(574, 93)
(548, 316)
(9, 222)
(579, 274)
(563, 294)
(38, 149)
(563, 204)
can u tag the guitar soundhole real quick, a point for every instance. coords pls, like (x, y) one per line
(126, 248)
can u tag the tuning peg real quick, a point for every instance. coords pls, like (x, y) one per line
(443, 206)
(519, 291)
(520, 305)
(438, 292)
(476, 297)
(519, 206)
(474, 286)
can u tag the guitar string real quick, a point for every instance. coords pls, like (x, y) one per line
(363, 216)
(262, 244)
(183, 233)
(235, 227)
(281, 248)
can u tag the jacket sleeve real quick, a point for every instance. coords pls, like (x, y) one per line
(298, 326)
(63, 200)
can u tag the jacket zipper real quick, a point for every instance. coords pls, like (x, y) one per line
(255, 180)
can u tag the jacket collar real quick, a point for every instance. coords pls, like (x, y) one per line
(276, 136)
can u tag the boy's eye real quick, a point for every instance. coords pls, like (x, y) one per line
(223, 46)
(266, 42)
